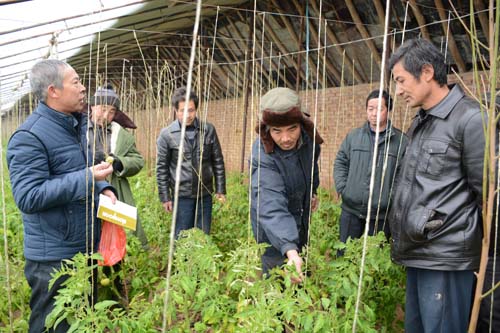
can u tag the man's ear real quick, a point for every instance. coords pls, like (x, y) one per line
(427, 73)
(52, 91)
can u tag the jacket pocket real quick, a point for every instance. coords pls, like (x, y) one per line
(76, 225)
(433, 157)
(54, 222)
(416, 226)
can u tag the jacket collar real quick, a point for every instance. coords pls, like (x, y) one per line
(443, 108)
(65, 120)
(388, 128)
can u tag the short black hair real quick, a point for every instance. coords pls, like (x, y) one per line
(179, 95)
(385, 96)
(415, 53)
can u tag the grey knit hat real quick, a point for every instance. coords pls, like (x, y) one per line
(106, 96)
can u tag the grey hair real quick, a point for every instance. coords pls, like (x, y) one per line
(45, 73)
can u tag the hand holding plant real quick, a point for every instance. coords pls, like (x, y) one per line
(295, 260)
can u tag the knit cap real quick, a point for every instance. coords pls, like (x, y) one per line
(107, 96)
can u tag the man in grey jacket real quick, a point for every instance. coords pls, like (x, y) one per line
(202, 166)
(284, 179)
(353, 166)
(435, 218)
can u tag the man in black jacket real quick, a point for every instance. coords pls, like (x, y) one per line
(284, 179)
(353, 169)
(202, 166)
(435, 218)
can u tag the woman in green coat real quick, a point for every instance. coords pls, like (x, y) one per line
(110, 138)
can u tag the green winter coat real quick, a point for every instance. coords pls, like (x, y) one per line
(123, 147)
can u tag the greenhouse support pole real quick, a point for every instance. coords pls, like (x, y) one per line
(245, 109)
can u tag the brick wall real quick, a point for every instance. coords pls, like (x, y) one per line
(338, 111)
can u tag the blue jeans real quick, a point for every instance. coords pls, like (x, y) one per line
(192, 213)
(438, 301)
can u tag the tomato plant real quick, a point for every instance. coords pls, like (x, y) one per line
(216, 283)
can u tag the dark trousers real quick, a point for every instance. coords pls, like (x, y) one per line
(42, 299)
(38, 275)
(194, 213)
(270, 259)
(353, 226)
(484, 321)
(438, 301)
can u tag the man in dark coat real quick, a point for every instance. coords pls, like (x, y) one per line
(284, 179)
(435, 217)
(202, 166)
(52, 184)
(353, 169)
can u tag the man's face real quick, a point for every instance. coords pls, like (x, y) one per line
(415, 92)
(191, 112)
(102, 115)
(371, 113)
(286, 137)
(71, 98)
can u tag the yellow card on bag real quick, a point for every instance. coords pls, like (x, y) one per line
(119, 213)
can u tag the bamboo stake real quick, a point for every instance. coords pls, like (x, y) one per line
(374, 165)
(262, 53)
(5, 238)
(245, 112)
(270, 81)
(339, 105)
(178, 169)
(323, 100)
(489, 170)
(316, 103)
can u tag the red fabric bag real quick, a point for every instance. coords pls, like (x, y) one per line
(113, 244)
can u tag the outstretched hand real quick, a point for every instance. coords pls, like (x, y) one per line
(295, 260)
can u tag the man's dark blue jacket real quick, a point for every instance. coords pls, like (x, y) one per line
(52, 185)
(281, 194)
